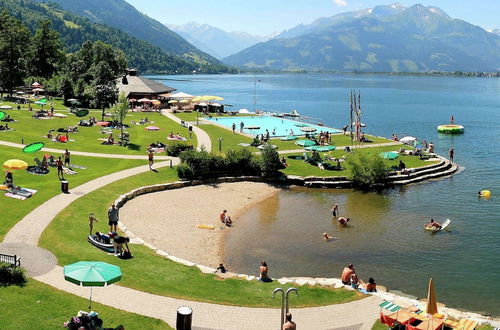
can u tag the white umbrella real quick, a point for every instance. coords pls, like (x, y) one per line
(35, 84)
(243, 111)
(202, 104)
(408, 140)
(38, 90)
(181, 95)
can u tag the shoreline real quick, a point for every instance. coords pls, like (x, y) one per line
(209, 267)
(169, 219)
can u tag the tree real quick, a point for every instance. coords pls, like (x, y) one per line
(46, 51)
(366, 169)
(270, 162)
(120, 110)
(14, 40)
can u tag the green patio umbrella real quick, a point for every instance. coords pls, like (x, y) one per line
(82, 112)
(389, 155)
(2, 115)
(289, 138)
(92, 273)
(34, 147)
(320, 148)
(305, 143)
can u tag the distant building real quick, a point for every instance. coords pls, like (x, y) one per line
(137, 87)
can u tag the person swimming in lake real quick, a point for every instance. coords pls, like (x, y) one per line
(343, 221)
(335, 210)
(433, 225)
(327, 237)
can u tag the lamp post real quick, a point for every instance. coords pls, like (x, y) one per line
(282, 320)
(220, 144)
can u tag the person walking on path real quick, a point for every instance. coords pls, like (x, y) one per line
(59, 164)
(92, 219)
(289, 324)
(150, 158)
(67, 156)
(451, 153)
(335, 210)
(113, 217)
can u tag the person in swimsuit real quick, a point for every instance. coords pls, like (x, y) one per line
(221, 268)
(289, 324)
(67, 156)
(343, 221)
(92, 219)
(59, 164)
(225, 219)
(150, 158)
(335, 210)
(326, 236)
(346, 274)
(433, 225)
(371, 286)
(263, 269)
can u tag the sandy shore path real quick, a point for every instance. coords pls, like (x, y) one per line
(169, 219)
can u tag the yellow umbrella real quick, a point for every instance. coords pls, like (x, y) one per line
(431, 300)
(196, 98)
(184, 101)
(172, 101)
(211, 98)
(156, 102)
(15, 164)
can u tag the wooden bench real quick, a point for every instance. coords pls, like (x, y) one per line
(13, 260)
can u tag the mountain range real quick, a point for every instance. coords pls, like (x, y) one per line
(391, 38)
(125, 17)
(214, 41)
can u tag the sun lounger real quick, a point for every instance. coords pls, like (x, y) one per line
(389, 306)
(466, 324)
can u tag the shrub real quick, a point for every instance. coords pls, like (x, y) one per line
(270, 162)
(10, 275)
(366, 169)
(176, 148)
(185, 172)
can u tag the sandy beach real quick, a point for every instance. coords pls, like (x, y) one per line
(169, 219)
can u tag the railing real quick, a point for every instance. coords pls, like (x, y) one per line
(14, 260)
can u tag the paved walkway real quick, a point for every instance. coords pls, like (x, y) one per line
(201, 135)
(83, 153)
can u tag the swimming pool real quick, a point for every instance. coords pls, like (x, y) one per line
(254, 125)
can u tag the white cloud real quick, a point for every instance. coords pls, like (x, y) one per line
(340, 3)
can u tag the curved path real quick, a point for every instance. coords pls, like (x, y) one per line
(83, 153)
(201, 135)
(356, 315)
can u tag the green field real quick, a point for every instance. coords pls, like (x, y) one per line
(49, 185)
(66, 238)
(28, 130)
(40, 306)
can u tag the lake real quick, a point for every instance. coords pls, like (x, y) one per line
(386, 239)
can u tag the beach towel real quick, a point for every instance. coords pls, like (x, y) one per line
(13, 193)
(81, 167)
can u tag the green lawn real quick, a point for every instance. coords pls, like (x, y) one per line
(48, 185)
(301, 168)
(40, 306)
(31, 130)
(230, 140)
(66, 238)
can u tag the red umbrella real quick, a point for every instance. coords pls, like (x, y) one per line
(132, 100)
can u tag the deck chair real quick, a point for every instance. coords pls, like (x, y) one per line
(466, 324)
(389, 306)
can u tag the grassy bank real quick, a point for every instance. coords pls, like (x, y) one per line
(49, 185)
(40, 306)
(28, 130)
(66, 238)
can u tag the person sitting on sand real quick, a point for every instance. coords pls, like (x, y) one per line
(371, 286)
(433, 225)
(225, 219)
(263, 269)
(346, 274)
(326, 236)
(343, 221)
(221, 268)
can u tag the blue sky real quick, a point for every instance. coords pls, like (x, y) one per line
(267, 16)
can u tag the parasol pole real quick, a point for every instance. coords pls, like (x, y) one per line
(90, 305)
(350, 121)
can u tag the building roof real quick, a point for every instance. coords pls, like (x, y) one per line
(141, 85)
